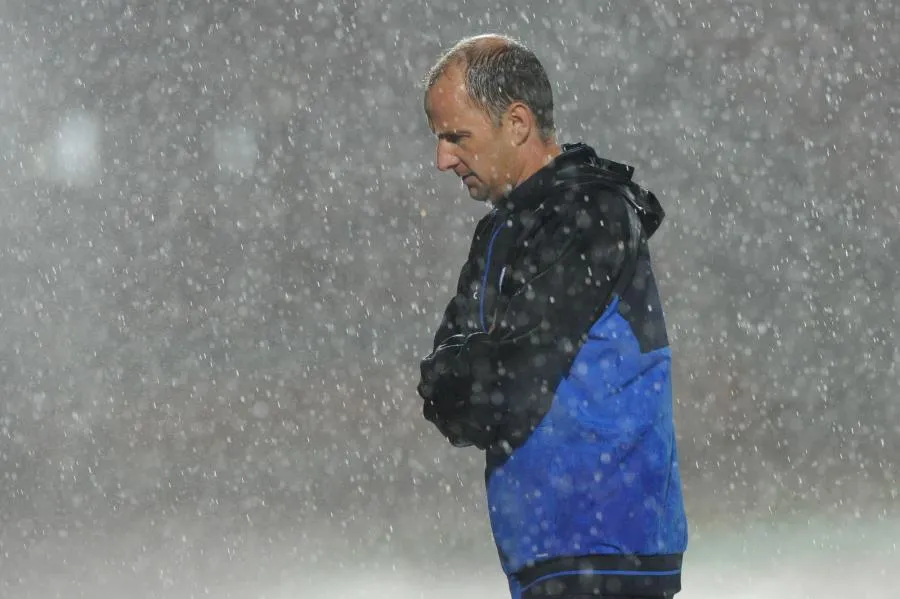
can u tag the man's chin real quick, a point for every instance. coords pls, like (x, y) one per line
(479, 195)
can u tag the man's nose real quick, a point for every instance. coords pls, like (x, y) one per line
(446, 159)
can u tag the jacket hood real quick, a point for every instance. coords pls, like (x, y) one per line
(579, 160)
(579, 163)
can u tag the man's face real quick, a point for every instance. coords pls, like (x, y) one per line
(469, 143)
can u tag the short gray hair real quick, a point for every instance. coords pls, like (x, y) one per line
(500, 70)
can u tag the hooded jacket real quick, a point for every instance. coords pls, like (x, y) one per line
(553, 358)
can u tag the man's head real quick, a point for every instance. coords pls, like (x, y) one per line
(490, 104)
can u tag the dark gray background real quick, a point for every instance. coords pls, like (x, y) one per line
(224, 247)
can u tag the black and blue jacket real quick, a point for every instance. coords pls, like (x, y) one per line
(553, 358)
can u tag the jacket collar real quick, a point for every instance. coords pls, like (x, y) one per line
(576, 162)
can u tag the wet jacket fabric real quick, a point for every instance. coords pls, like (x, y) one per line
(553, 358)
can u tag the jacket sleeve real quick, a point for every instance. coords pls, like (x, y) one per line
(561, 281)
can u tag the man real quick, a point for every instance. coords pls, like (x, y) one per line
(553, 356)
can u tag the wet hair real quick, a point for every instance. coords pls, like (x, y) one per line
(500, 70)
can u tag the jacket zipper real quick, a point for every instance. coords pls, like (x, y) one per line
(487, 270)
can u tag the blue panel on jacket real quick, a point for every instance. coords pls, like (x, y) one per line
(599, 474)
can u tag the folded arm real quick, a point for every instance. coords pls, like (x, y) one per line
(556, 287)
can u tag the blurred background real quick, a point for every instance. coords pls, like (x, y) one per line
(224, 248)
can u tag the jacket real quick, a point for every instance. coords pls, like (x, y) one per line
(553, 358)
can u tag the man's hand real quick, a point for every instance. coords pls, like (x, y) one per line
(458, 386)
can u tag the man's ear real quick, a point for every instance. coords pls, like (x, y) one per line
(521, 122)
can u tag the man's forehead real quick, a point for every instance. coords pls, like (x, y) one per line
(449, 86)
(447, 93)
(441, 106)
(444, 121)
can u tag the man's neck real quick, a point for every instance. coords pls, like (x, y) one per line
(536, 159)
(531, 164)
